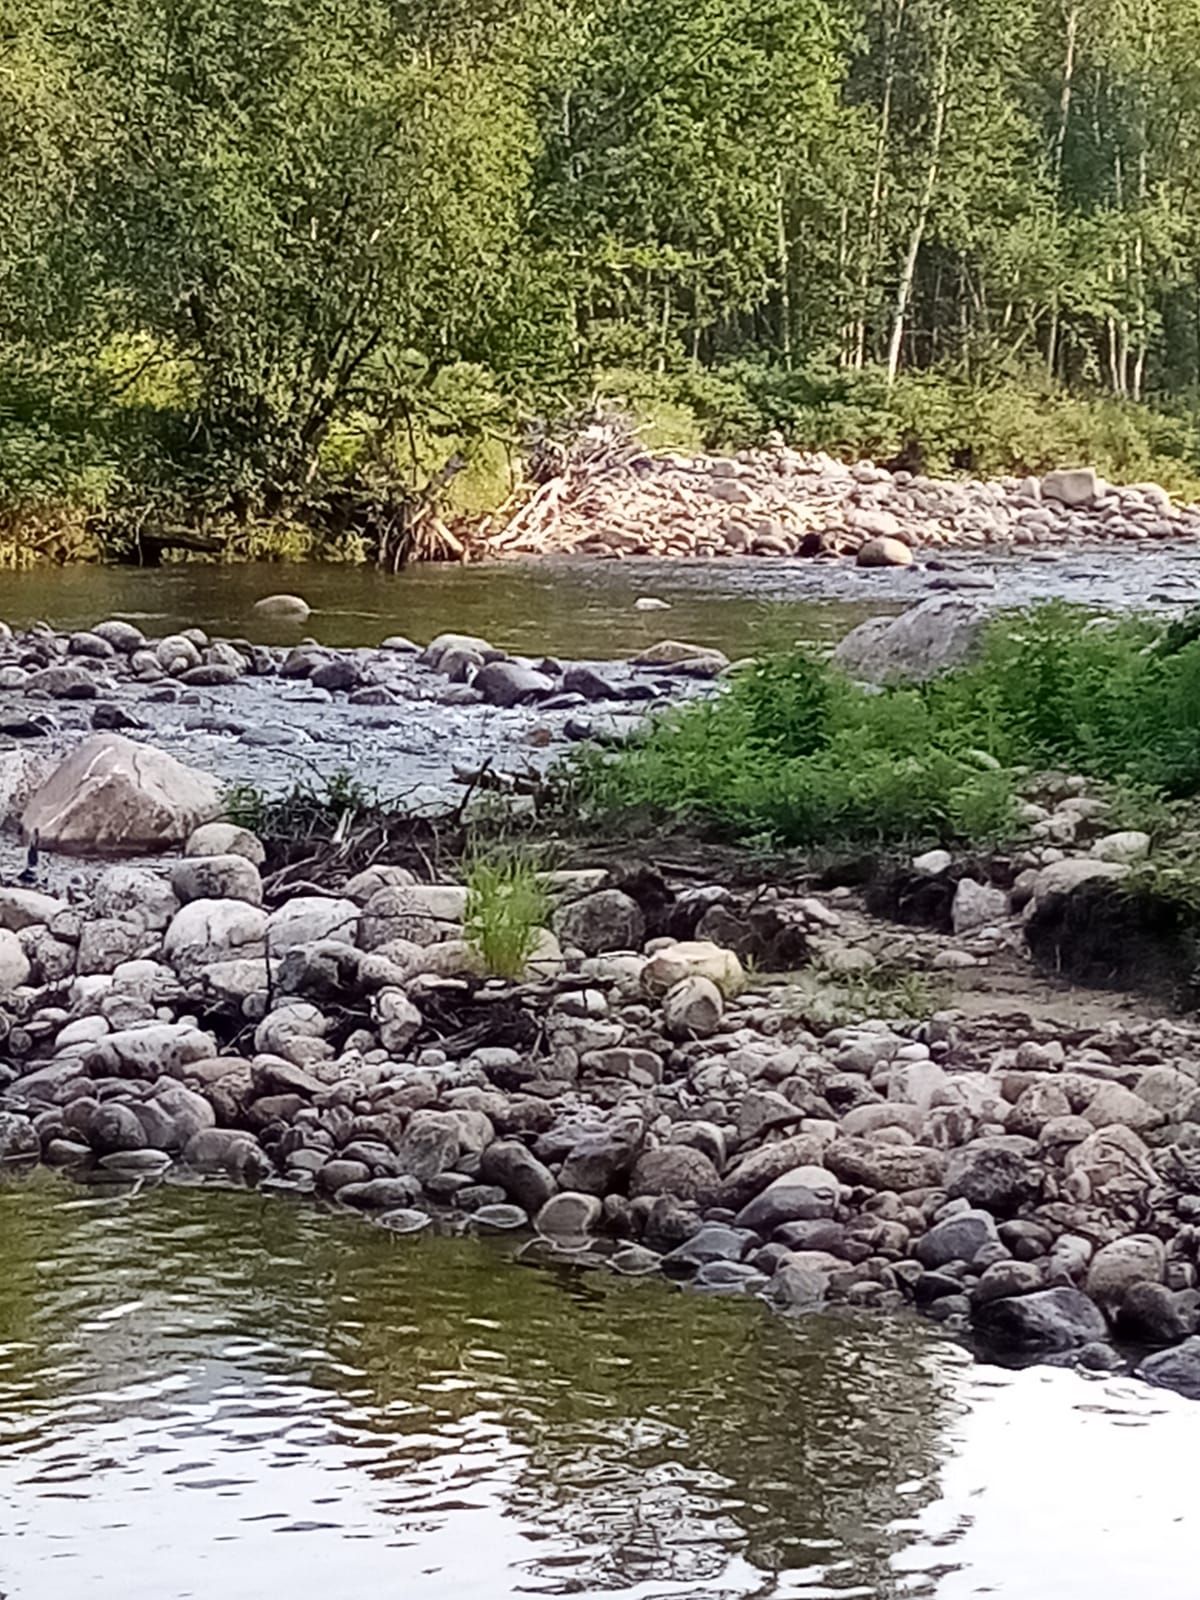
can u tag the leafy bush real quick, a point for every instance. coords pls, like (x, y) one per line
(796, 752)
(507, 905)
(1016, 424)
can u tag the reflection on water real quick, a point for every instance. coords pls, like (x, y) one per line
(217, 1395)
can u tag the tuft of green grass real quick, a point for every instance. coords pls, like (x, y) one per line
(308, 810)
(507, 906)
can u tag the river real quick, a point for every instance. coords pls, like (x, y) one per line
(585, 609)
(211, 1395)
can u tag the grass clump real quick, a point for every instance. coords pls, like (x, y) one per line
(796, 754)
(508, 905)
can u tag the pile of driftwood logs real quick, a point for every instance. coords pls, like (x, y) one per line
(611, 496)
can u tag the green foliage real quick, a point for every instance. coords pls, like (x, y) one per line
(258, 260)
(507, 906)
(1014, 425)
(795, 752)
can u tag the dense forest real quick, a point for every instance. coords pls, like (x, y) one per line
(257, 254)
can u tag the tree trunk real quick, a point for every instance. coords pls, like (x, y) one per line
(871, 241)
(909, 270)
(1060, 142)
(785, 277)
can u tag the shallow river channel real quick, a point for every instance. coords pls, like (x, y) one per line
(223, 1396)
(585, 609)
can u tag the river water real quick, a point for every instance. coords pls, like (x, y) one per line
(585, 609)
(224, 1396)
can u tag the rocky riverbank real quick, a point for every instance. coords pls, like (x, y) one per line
(784, 502)
(644, 1099)
(413, 723)
(672, 1086)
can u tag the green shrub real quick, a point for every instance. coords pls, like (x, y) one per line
(795, 752)
(507, 905)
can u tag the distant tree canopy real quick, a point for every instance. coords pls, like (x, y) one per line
(247, 242)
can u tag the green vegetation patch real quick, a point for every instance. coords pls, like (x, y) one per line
(795, 753)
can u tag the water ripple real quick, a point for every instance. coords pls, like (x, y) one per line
(184, 1378)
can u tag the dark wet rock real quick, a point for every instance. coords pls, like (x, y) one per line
(821, 1234)
(714, 1241)
(604, 921)
(1051, 1319)
(1177, 1369)
(510, 683)
(996, 1175)
(516, 1170)
(341, 1174)
(803, 1195)
(109, 718)
(599, 1160)
(35, 727)
(959, 1238)
(1150, 1313)
(933, 1286)
(115, 1127)
(589, 683)
(337, 675)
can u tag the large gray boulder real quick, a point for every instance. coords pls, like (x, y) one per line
(931, 638)
(111, 796)
(1050, 1319)
(511, 683)
(597, 923)
(208, 931)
